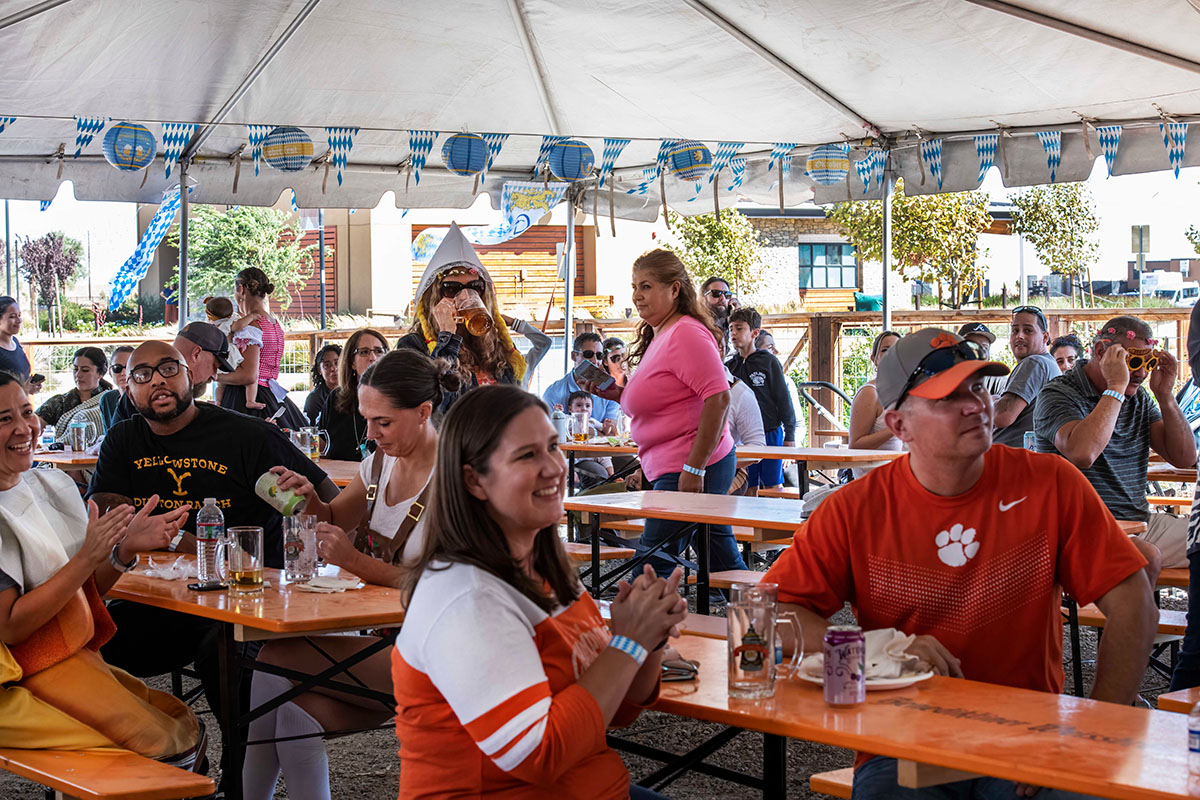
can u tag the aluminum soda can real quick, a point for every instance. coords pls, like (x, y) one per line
(845, 665)
(285, 501)
(1030, 440)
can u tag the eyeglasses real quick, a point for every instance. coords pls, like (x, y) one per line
(452, 288)
(1041, 315)
(145, 373)
(1141, 358)
(616, 358)
(369, 351)
(590, 353)
(941, 360)
(715, 293)
(117, 369)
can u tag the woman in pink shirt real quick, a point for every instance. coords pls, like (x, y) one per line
(676, 399)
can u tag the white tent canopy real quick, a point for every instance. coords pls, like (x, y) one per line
(752, 71)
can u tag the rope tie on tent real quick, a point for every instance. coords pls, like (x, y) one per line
(662, 189)
(779, 166)
(612, 217)
(1001, 149)
(324, 157)
(1085, 123)
(237, 166)
(595, 215)
(60, 154)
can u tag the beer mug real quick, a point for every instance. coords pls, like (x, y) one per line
(240, 560)
(314, 442)
(581, 426)
(753, 640)
(300, 547)
(79, 435)
(472, 314)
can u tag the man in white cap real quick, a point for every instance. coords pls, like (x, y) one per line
(458, 319)
(955, 546)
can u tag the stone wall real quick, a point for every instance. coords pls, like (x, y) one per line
(778, 239)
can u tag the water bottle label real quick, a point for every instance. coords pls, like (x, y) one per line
(1193, 740)
(208, 531)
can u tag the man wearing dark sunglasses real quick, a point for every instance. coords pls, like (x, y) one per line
(1101, 418)
(967, 548)
(1030, 344)
(588, 346)
(720, 301)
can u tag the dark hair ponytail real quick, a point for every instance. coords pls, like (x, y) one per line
(256, 282)
(408, 378)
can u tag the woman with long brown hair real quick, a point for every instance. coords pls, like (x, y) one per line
(506, 676)
(676, 399)
(339, 417)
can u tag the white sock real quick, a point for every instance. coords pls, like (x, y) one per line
(304, 761)
(260, 773)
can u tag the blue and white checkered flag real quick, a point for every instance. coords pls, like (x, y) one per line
(723, 155)
(495, 143)
(1175, 140)
(295, 210)
(931, 154)
(1052, 144)
(86, 129)
(5, 122)
(176, 135)
(1110, 141)
(256, 134)
(871, 167)
(737, 168)
(985, 148)
(612, 151)
(650, 174)
(419, 145)
(341, 141)
(781, 150)
(138, 265)
(44, 204)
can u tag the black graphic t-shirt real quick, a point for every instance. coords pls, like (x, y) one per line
(219, 454)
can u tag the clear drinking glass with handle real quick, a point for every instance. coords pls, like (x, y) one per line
(240, 560)
(315, 442)
(753, 621)
(300, 547)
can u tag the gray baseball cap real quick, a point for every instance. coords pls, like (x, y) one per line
(210, 338)
(942, 375)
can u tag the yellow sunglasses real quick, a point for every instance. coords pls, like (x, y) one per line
(1141, 359)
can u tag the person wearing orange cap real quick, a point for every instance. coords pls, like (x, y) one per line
(965, 549)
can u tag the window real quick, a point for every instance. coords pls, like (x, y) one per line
(827, 266)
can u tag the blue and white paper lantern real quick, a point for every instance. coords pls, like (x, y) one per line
(689, 160)
(571, 160)
(129, 146)
(287, 149)
(465, 154)
(828, 164)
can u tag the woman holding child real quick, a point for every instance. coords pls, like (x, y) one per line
(373, 529)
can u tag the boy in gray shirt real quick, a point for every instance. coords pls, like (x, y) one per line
(1029, 341)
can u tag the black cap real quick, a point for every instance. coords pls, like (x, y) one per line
(977, 328)
(210, 338)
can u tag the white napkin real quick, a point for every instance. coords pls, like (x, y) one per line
(327, 584)
(885, 656)
(181, 568)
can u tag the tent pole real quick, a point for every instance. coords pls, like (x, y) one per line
(536, 65)
(32, 11)
(183, 242)
(889, 183)
(321, 248)
(1021, 260)
(7, 252)
(569, 286)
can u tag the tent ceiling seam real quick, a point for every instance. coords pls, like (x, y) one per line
(761, 50)
(202, 135)
(537, 67)
(1125, 45)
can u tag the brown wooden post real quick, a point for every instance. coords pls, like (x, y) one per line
(824, 361)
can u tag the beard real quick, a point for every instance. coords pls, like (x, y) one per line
(182, 401)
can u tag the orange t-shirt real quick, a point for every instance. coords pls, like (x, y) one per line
(982, 571)
(487, 695)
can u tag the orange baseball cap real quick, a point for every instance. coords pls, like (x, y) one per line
(904, 364)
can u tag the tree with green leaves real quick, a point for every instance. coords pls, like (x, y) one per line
(935, 238)
(1193, 236)
(223, 243)
(726, 248)
(1060, 222)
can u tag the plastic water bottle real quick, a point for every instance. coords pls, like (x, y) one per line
(210, 531)
(47, 437)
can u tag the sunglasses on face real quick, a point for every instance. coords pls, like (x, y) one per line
(452, 288)
(117, 369)
(590, 354)
(1142, 358)
(145, 373)
(715, 293)
(941, 360)
(369, 351)
(616, 358)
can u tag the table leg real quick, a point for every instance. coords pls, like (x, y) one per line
(233, 747)
(774, 767)
(702, 569)
(570, 473)
(1076, 654)
(596, 586)
(802, 477)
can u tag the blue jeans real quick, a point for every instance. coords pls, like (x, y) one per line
(723, 548)
(641, 793)
(1187, 668)
(876, 780)
(768, 472)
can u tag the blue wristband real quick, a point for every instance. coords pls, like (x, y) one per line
(629, 647)
(1114, 394)
(688, 468)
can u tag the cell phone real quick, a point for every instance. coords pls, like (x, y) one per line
(205, 587)
(587, 371)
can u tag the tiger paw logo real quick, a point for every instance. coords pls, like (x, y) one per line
(943, 340)
(179, 492)
(956, 546)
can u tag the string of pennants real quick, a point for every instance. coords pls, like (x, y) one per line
(131, 147)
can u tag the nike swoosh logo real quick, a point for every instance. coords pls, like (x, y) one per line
(1006, 506)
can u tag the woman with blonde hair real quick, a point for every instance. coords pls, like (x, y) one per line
(867, 429)
(676, 398)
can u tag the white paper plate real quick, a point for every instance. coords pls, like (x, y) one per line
(881, 684)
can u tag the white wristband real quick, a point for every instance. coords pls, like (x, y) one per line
(694, 470)
(629, 647)
(1115, 395)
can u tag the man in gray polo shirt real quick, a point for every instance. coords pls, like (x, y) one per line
(1102, 419)
(1030, 344)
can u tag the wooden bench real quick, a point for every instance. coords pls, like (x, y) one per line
(1180, 504)
(1170, 623)
(578, 551)
(1173, 577)
(92, 775)
(837, 783)
(726, 578)
(1181, 701)
(786, 493)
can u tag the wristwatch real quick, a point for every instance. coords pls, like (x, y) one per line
(117, 563)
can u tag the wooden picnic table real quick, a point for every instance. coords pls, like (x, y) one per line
(280, 611)
(949, 729)
(1167, 473)
(340, 472)
(703, 510)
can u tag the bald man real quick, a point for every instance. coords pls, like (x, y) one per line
(204, 349)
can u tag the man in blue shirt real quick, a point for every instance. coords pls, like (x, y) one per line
(587, 347)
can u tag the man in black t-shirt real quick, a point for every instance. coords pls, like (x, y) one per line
(205, 350)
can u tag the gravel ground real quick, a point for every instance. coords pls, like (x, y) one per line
(366, 765)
